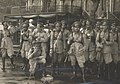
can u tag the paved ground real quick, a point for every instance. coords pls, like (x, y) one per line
(17, 76)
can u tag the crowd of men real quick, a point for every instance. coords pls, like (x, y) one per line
(94, 48)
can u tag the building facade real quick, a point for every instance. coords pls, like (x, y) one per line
(71, 6)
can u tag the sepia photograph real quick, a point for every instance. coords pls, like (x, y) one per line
(59, 42)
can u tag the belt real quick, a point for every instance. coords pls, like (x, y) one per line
(25, 40)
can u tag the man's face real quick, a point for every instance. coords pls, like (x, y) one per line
(5, 26)
(39, 25)
(76, 27)
(101, 28)
(104, 27)
(40, 29)
(83, 23)
(58, 27)
(113, 27)
(63, 26)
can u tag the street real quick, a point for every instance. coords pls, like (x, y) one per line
(17, 76)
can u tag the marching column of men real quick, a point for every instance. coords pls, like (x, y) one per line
(94, 48)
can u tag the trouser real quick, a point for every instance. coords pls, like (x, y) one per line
(4, 55)
(118, 70)
(25, 62)
(58, 61)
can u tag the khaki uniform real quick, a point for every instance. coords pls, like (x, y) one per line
(76, 51)
(42, 37)
(115, 47)
(7, 44)
(58, 47)
(36, 55)
(89, 42)
(107, 47)
(99, 48)
(39, 51)
(66, 34)
(119, 45)
(26, 45)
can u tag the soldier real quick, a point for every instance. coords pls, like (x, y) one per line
(66, 34)
(83, 24)
(107, 42)
(25, 40)
(41, 38)
(114, 51)
(76, 51)
(97, 27)
(58, 57)
(36, 56)
(89, 41)
(99, 51)
(118, 64)
(7, 44)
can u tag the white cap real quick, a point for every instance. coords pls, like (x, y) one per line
(30, 20)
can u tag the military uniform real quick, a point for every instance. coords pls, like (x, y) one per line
(89, 42)
(58, 47)
(7, 41)
(7, 44)
(66, 34)
(35, 56)
(42, 37)
(76, 51)
(99, 47)
(119, 45)
(107, 47)
(26, 45)
(114, 46)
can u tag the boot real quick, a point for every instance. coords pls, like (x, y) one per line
(11, 59)
(83, 74)
(74, 73)
(25, 62)
(43, 70)
(3, 63)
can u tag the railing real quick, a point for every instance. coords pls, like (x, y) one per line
(39, 9)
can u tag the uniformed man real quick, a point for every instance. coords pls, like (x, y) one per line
(114, 52)
(118, 64)
(36, 56)
(107, 42)
(77, 48)
(97, 27)
(66, 34)
(7, 45)
(89, 41)
(99, 51)
(25, 40)
(41, 38)
(83, 28)
(58, 57)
